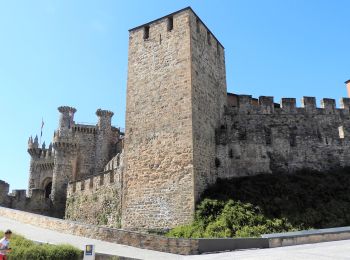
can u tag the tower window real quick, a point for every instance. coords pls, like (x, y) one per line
(208, 38)
(197, 25)
(170, 23)
(146, 32)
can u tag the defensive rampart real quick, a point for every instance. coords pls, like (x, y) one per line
(97, 199)
(266, 137)
(35, 203)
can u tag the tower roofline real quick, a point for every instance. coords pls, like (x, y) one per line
(171, 14)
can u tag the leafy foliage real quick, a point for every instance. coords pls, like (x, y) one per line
(218, 219)
(307, 198)
(282, 202)
(24, 249)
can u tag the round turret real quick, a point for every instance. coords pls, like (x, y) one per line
(66, 117)
(104, 119)
(33, 147)
(348, 87)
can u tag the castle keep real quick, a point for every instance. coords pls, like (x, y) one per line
(77, 152)
(183, 132)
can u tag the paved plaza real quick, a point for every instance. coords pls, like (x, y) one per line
(339, 250)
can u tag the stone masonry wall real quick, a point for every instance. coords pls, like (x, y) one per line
(97, 199)
(36, 202)
(119, 236)
(81, 151)
(270, 139)
(4, 191)
(41, 167)
(159, 191)
(209, 97)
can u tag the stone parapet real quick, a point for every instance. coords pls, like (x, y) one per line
(245, 105)
(119, 236)
(93, 182)
(97, 199)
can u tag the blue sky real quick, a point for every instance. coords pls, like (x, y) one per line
(74, 53)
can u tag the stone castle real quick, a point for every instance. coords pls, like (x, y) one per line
(183, 132)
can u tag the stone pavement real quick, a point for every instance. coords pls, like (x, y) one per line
(54, 237)
(336, 250)
(339, 250)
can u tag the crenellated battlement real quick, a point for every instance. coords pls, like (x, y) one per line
(44, 164)
(4, 190)
(114, 163)
(98, 199)
(87, 129)
(61, 141)
(36, 202)
(40, 153)
(66, 109)
(261, 136)
(104, 113)
(266, 105)
(94, 182)
(112, 174)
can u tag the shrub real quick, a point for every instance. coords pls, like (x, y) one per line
(308, 199)
(215, 219)
(270, 203)
(24, 249)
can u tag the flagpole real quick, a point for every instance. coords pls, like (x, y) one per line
(41, 130)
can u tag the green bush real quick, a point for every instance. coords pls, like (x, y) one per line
(307, 199)
(215, 219)
(24, 249)
(282, 202)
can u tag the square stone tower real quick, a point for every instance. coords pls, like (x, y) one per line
(176, 95)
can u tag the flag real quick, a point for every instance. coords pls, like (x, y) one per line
(42, 126)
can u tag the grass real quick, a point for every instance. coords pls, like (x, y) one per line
(24, 249)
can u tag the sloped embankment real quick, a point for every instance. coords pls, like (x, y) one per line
(270, 203)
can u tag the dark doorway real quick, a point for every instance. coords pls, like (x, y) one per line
(48, 190)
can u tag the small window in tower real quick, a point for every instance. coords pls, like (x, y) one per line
(230, 153)
(102, 179)
(146, 32)
(197, 26)
(170, 23)
(208, 38)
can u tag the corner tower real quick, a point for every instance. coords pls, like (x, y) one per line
(176, 96)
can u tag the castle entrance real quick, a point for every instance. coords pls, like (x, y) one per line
(48, 189)
(46, 185)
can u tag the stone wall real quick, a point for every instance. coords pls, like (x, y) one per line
(267, 138)
(36, 202)
(81, 151)
(159, 191)
(175, 100)
(4, 191)
(209, 97)
(97, 199)
(119, 236)
(41, 165)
